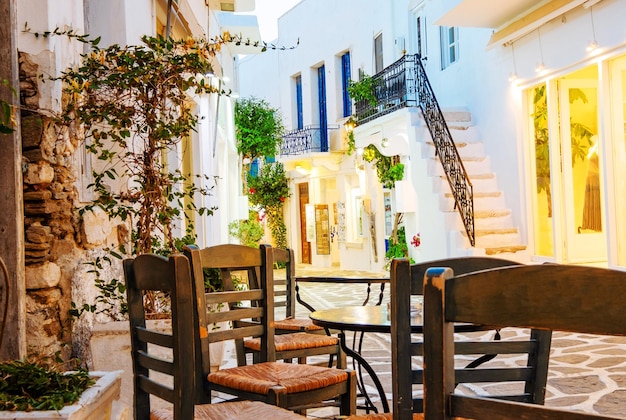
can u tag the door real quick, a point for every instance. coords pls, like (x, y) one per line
(583, 222)
(305, 247)
(618, 159)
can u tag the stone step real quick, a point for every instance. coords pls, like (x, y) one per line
(473, 166)
(482, 201)
(508, 249)
(497, 240)
(481, 183)
(466, 149)
(460, 133)
(483, 220)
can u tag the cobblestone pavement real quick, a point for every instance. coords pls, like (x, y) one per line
(586, 373)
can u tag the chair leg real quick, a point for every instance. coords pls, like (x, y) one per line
(341, 359)
(348, 400)
(240, 351)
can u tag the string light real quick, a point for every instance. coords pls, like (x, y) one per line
(513, 76)
(540, 66)
(593, 44)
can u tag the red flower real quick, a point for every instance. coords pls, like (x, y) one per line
(417, 241)
(282, 199)
(252, 190)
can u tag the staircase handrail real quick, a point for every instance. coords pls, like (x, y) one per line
(458, 179)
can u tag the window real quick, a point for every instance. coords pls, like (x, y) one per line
(378, 53)
(345, 78)
(299, 117)
(449, 45)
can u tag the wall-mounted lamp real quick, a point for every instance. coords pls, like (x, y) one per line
(349, 125)
(359, 151)
(593, 44)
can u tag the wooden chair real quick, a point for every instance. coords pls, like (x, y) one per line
(290, 338)
(285, 297)
(407, 281)
(169, 354)
(548, 297)
(295, 386)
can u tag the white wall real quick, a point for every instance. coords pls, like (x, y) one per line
(478, 82)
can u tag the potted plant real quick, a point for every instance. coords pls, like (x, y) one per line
(269, 190)
(249, 232)
(38, 390)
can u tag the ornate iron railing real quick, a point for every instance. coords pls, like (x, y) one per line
(306, 140)
(405, 84)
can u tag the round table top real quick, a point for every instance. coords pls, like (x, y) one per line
(371, 319)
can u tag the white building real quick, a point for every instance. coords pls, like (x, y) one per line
(57, 169)
(547, 142)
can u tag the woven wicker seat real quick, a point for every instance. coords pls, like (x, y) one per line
(284, 378)
(382, 416)
(251, 312)
(178, 386)
(296, 346)
(236, 410)
(297, 324)
(296, 341)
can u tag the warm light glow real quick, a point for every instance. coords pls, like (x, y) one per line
(349, 125)
(301, 170)
(540, 67)
(359, 151)
(592, 46)
(513, 77)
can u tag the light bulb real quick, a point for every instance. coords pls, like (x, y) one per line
(593, 45)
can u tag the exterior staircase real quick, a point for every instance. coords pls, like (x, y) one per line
(493, 223)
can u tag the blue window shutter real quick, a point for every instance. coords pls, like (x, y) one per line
(345, 78)
(299, 102)
(321, 88)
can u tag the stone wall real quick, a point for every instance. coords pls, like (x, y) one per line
(59, 243)
(52, 249)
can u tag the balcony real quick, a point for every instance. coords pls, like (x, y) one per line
(309, 139)
(394, 88)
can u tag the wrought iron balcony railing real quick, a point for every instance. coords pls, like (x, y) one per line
(311, 138)
(394, 88)
(405, 84)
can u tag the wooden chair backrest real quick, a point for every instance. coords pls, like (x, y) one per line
(406, 281)
(284, 289)
(251, 311)
(155, 273)
(548, 297)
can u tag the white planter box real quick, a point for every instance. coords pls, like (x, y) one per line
(94, 404)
